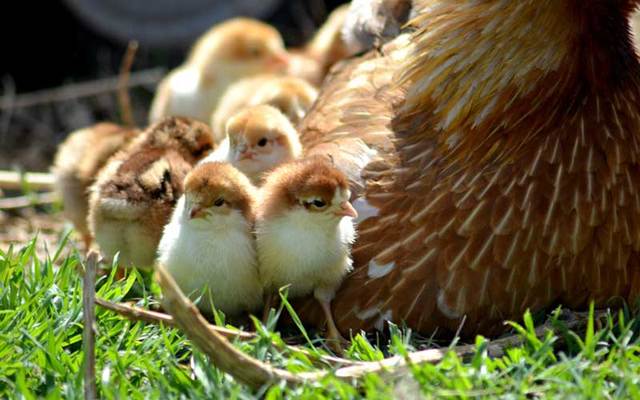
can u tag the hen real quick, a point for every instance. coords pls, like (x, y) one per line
(494, 159)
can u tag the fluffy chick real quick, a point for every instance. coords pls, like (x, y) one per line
(304, 231)
(209, 244)
(258, 139)
(371, 23)
(230, 51)
(136, 191)
(326, 47)
(76, 165)
(293, 96)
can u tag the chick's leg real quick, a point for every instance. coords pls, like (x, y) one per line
(335, 340)
(87, 239)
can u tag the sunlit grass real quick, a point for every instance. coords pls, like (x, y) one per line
(41, 350)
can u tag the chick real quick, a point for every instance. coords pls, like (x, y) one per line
(326, 47)
(76, 164)
(136, 191)
(304, 231)
(293, 96)
(230, 51)
(258, 139)
(209, 242)
(371, 23)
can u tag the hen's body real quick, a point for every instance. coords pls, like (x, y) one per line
(497, 157)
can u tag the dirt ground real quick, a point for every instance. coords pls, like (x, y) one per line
(17, 228)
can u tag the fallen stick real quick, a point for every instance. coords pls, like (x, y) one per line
(140, 314)
(84, 89)
(89, 331)
(11, 180)
(244, 368)
(12, 203)
(257, 373)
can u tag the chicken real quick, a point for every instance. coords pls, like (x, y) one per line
(258, 139)
(230, 51)
(371, 23)
(293, 96)
(312, 61)
(209, 243)
(136, 191)
(76, 164)
(495, 167)
(304, 231)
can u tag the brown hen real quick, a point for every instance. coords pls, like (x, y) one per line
(494, 155)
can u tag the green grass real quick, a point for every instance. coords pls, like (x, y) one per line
(41, 351)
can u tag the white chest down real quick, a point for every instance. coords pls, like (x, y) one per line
(303, 255)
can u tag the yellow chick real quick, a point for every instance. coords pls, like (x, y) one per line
(292, 96)
(326, 47)
(208, 246)
(304, 231)
(134, 194)
(258, 139)
(235, 49)
(76, 164)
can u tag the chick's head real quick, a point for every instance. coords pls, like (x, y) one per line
(240, 46)
(313, 186)
(260, 139)
(215, 191)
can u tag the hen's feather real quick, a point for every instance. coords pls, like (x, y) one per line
(506, 167)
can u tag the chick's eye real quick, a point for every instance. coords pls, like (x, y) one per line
(255, 51)
(262, 142)
(219, 202)
(316, 204)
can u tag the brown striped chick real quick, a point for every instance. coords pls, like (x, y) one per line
(304, 231)
(258, 139)
(326, 47)
(208, 246)
(76, 164)
(136, 191)
(235, 49)
(292, 96)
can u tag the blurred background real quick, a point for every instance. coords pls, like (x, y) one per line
(61, 60)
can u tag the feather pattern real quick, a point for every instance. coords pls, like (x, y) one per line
(506, 168)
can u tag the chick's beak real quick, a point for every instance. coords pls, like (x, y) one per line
(246, 155)
(346, 210)
(278, 60)
(197, 212)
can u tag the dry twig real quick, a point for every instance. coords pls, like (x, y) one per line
(257, 373)
(12, 203)
(123, 85)
(84, 89)
(244, 368)
(11, 180)
(139, 314)
(89, 332)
